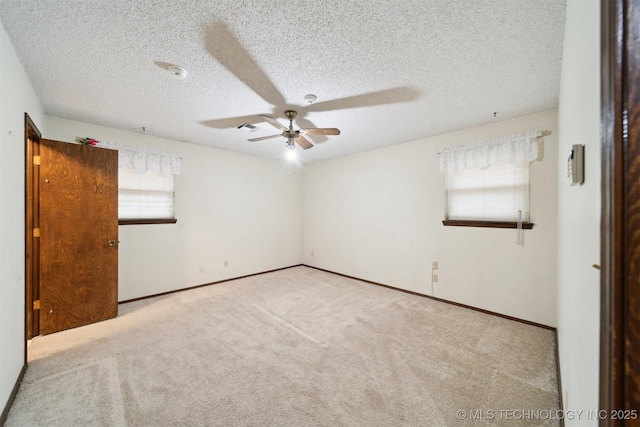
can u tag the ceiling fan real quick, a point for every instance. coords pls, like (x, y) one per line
(225, 48)
(292, 135)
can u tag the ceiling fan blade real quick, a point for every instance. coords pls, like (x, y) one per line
(303, 142)
(308, 124)
(321, 131)
(231, 122)
(381, 97)
(223, 45)
(275, 123)
(262, 138)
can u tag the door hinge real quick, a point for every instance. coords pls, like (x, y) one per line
(36, 160)
(36, 232)
(36, 304)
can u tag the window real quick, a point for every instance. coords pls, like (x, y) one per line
(498, 194)
(145, 198)
(487, 182)
(146, 188)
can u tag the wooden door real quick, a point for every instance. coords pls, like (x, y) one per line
(620, 235)
(78, 235)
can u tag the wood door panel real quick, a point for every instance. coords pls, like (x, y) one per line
(620, 226)
(78, 218)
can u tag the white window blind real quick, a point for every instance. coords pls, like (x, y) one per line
(496, 193)
(148, 195)
(146, 189)
(488, 181)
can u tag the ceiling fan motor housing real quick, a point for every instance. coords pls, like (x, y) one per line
(291, 133)
(291, 114)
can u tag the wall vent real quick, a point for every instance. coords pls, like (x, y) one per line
(247, 126)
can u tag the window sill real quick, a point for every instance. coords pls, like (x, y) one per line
(488, 224)
(147, 221)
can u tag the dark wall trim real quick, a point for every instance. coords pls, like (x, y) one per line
(555, 331)
(611, 373)
(486, 224)
(12, 396)
(559, 377)
(206, 284)
(147, 221)
(493, 313)
(28, 123)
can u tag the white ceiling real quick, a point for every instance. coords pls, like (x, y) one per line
(384, 72)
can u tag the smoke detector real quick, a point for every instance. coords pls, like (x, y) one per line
(178, 72)
(310, 99)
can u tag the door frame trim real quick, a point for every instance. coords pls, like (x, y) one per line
(620, 245)
(32, 137)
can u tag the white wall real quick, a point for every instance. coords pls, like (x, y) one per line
(230, 207)
(374, 215)
(579, 211)
(16, 98)
(378, 216)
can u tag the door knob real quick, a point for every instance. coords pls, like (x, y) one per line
(112, 242)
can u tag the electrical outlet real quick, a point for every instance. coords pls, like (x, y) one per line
(202, 269)
(434, 265)
(226, 263)
(435, 278)
(311, 254)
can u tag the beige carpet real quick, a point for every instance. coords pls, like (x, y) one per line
(297, 347)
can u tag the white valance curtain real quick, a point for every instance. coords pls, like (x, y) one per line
(142, 159)
(513, 150)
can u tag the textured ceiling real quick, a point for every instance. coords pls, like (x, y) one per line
(384, 72)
